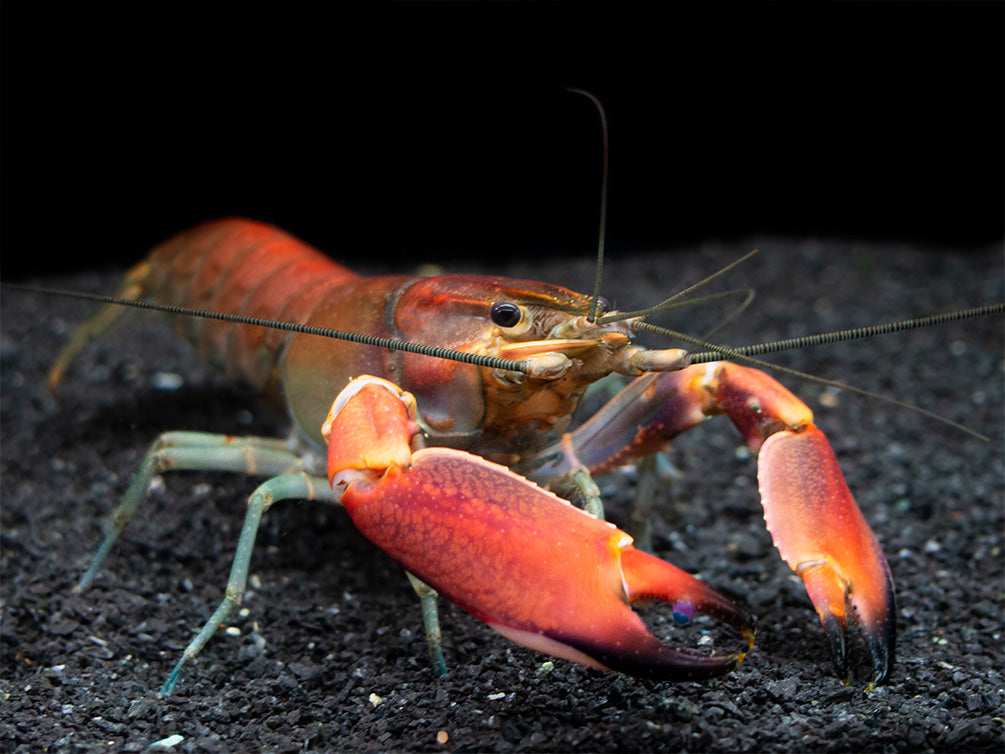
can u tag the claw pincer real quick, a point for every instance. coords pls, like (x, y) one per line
(535, 568)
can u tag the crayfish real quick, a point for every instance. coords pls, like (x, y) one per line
(461, 516)
(437, 453)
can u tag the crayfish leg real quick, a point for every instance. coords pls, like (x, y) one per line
(191, 451)
(285, 487)
(201, 451)
(177, 451)
(431, 622)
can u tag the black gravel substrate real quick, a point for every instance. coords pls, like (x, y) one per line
(329, 654)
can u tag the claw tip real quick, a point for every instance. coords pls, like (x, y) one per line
(748, 634)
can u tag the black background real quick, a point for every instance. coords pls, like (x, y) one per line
(435, 132)
(440, 133)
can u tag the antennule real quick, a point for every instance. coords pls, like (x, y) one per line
(592, 315)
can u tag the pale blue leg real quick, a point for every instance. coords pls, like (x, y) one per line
(641, 511)
(177, 451)
(654, 471)
(431, 622)
(286, 487)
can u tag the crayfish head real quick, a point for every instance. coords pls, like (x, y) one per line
(502, 413)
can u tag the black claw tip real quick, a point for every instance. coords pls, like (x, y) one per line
(836, 628)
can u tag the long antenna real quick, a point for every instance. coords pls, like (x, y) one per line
(743, 353)
(856, 333)
(492, 362)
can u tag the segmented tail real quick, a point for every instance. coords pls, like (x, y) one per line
(231, 265)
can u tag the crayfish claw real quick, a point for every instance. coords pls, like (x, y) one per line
(662, 663)
(538, 570)
(821, 533)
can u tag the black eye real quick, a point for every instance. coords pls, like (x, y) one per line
(505, 314)
(603, 305)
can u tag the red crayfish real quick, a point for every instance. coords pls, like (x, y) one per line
(462, 516)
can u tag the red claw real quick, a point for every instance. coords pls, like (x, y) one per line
(812, 516)
(538, 570)
(822, 535)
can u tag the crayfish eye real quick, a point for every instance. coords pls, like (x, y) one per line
(603, 305)
(505, 314)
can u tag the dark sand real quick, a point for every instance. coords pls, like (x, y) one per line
(330, 654)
